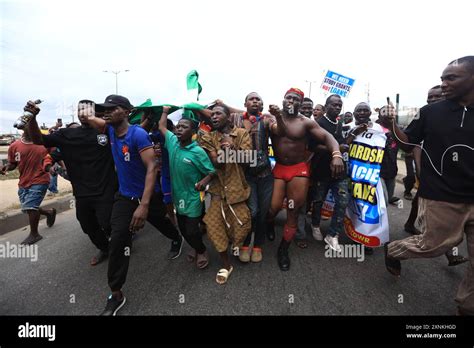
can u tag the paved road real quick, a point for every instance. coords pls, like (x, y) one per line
(319, 285)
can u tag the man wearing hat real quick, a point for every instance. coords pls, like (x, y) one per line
(137, 200)
(292, 170)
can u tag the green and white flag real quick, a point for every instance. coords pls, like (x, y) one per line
(193, 85)
(136, 114)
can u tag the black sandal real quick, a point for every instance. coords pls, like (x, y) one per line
(456, 260)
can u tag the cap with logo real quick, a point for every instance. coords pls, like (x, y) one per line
(112, 101)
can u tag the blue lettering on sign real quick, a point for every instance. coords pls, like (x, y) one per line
(365, 177)
(365, 212)
(367, 173)
(343, 82)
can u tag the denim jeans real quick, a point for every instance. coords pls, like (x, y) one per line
(259, 204)
(340, 191)
(53, 183)
(302, 223)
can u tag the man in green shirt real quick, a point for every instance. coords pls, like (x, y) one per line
(191, 170)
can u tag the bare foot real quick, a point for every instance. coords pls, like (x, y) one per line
(32, 239)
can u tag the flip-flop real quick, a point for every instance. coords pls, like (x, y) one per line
(202, 260)
(301, 243)
(101, 256)
(191, 256)
(223, 273)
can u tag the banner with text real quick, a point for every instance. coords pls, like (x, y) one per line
(335, 83)
(366, 219)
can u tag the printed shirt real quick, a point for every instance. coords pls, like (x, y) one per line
(188, 166)
(126, 151)
(230, 183)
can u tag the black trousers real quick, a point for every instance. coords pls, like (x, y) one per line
(409, 180)
(93, 214)
(121, 239)
(189, 228)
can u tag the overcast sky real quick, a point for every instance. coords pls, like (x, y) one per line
(57, 50)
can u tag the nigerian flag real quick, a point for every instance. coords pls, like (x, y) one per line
(193, 85)
(136, 115)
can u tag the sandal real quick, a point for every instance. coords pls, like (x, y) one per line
(202, 261)
(301, 243)
(456, 260)
(101, 256)
(191, 256)
(223, 275)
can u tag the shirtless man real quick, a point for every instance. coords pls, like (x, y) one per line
(292, 169)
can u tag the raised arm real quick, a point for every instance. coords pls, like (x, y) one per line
(97, 123)
(231, 109)
(279, 127)
(387, 119)
(33, 128)
(204, 113)
(145, 120)
(162, 124)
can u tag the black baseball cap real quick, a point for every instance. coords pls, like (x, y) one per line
(112, 101)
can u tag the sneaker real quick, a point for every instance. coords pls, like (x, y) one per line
(317, 233)
(50, 219)
(408, 196)
(176, 247)
(113, 306)
(333, 243)
(394, 200)
(256, 255)
(244, 254)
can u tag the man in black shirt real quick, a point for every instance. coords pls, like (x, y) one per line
(446, 192)
(90, 167)
(322, 180)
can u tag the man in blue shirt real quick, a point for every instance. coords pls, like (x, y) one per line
(137, 200)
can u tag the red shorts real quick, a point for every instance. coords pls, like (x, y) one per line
(287, 173)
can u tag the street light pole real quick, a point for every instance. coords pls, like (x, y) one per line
(310, 82)
(116, 77)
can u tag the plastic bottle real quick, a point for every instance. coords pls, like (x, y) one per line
(26, 118)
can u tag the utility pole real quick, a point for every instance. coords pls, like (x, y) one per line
(116, 72)
(368, 93)
(72, 112)
(310, 83)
